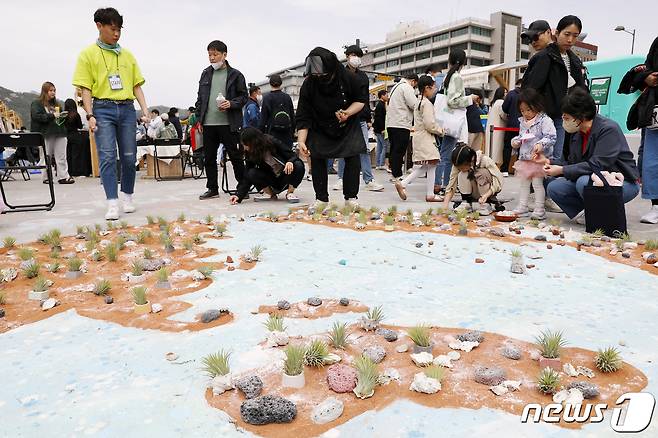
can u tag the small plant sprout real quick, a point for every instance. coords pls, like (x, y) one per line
(389, 220)
(475, 215)
(316, 353)
(363, 218)
(420, 334)
(168, 243)
(136, 268)
(32, 270)
(150, 220)
(92, 236)
(293, 365)
(8, 242)
(435, 372)
(148, 253)
(274, 323)
(120, 242)
(216, 364)
(461, 214)
(333, 206)
(181, 217)
(102, 287)
(375, 314)
(142, 236)
(429, 212)
(548, 380)
(320, 207)
(54, 238)
(162, 221)
(112, 252)
(209, 219)
(206, 271)
(162, 275)
(40, 285)
(255, 253)
(409, 213)
(608, 360)
(188, 244)
(346, 212)
(367, 376)
(96, 256)
(516, 253)
(123, 225)
(74, 264)
(110, 225)
(54, 267)
(374, 209)
(550, 344)
(90, 246)
(3, 300)
(26, 254)
(55, 253)
(533, 222)
(98, 228)
(43, 238)
(555, 222)
(586, 239)
(426, 220)
(316, 217)
(338, 335)
(651, 244)
(197, 239)
(139, 295)
(220, 228)
(80, 229)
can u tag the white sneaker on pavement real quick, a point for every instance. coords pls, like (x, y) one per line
(521, 211)
(538, 214)
(338, 185)
(112, 210)
(651, 217)
(352, 204)
(127, 203)
(580, 218)
(373, 186)
(505, 174)
(551, 206)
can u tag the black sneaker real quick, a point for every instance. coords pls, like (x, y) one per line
(209, 194)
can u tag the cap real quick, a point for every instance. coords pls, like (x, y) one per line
(164, 116)
(354, 50)
(535, 28)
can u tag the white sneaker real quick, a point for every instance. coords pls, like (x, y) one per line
(551, 206)
(338, 185)
(485, 209)
(580, 218)
(352, 204)
(651, 217)
(112, 210)
(373, 186)
(521, 211)
(538, 214)
(505, 174)
(127, 203)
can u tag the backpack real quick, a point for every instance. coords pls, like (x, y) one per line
(280, 119)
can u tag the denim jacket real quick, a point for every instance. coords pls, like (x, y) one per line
(544, 131)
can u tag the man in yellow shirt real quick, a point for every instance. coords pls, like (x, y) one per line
(110, 80)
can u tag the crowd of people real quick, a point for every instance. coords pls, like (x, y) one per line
(550, 135)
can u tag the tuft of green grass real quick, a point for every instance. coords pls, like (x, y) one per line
(608, 360)
(120, 242)
(80, 229)
(598, 233)
(209, 219)
(274, 323)
(346, 212)
(162, 221)
(74, 264)
(409, 213)
(54, 267)
(550, 343)
(181, 217)
(533, 222)
(420, 334)
(97, 256)
(188, 244)
(162, 275)
(139, 295)
(316, 353)
(435, 372)
(55, 253)
(8, 242)
(102, 287)
(206, 271)
(367, 376)
(197, 239)
(150, 220)
(90, 246)
(429, 212)
(293, 365)
(92, 236)
(255, 252)
(220, 228)
(516, 253)
(375, 314)
(98, 228)
(651, 244)
(363, 218)
(3, 299)
(389, 220)
(217, 364)
(26, 254)
(123, 225)
(32, 270)
(112, 252)
(548, 381)
(136, 268)
(426, 220)
(338, 335)
(110, 225)
(148, 254)
(167, 242)
(40, 285)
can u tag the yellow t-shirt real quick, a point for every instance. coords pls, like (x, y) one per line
(94, 67)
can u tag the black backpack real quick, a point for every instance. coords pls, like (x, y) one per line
(280, 118)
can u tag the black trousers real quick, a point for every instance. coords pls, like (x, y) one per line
(399, 140)
(212, 137)
(319, 172)
(262, 178)
(507, 150)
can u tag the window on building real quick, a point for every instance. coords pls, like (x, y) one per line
(442, 65)
(381, 66)
(423, 55)
(481, 47)
(392, 50)
(441, 37)
(440, 51)
(459, 32)
(392, 63)
(408, 46)
(463, 46)
(525, 55)
(478, 62)
(378, 54)
(423, 42)
(475, 30)
(407, 59)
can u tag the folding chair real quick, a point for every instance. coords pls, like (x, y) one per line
(180, 156)
(27, 140)
(225, 187)
(195, 162)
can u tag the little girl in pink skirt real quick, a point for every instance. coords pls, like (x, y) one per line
(535, 142)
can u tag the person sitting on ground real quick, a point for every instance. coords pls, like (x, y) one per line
(477, 177)
(271, 167)
(597, 143)
(167, 130)
(425, 150)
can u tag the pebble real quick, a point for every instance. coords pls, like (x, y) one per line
(314, 301)
(211, 315)
(549, 246)
(229, 259)
(652, 259)
(327, 411)
(389, 335)
(171, 356)
(496, 231)
(472, 336)
(374, 353)
(283, 305)
(403, 348)
(611, 275)
(511, 352)
(156, 308)
(342, 262)
(49, 304)
(251, 386)
(419, 244)
(628, 246)
(589, 390)
(540, 238)
(268, 409)
(445, 227)
(479, 260)
(626, 254)
(490, 376)
(344, 302)
(2, 313)
(108, 299)
(341, 378)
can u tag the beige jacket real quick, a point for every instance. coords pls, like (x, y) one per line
(425, 131)
(402, 100)
(481, 162)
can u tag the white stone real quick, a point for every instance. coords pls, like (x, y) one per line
(569, 370)
(156, 308)
(463, 345)
(512, 385)
(130, 244)
(196, 275)
(277, 339)
(585, 371)
(221, 384)
(389, 375)
(499, 389)
(332, 359)
(454, 355)
(424, 384)
(171, 357)
(442, 360)
(8, 274)
(569, 397)
(327, 411)
(181, 273)
(49, 304)
(629, 245)
(402, 348)
(80, 247)
(179, 231)
(535, 355)
(422, 359)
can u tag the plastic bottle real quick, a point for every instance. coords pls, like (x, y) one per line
(220, 99)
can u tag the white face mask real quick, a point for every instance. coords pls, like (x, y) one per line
(259, 98)
(571, 126)
(354, 61)
(217, 65)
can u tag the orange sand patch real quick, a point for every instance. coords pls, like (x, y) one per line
(303, 310)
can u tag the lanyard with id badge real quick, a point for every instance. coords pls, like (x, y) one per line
(114, 78)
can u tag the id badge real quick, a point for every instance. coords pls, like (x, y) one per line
(115, 82)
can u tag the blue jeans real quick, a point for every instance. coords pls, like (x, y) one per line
(116, 125)
(445, 166)
(559, 141)
(366, 165)
(382, 146)
(569, 195)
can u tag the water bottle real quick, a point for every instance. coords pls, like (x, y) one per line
(220, 99)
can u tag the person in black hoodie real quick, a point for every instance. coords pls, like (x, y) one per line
(221, 96)
(271, 166)
(379, 127)
(175, 120)
(555, 70)
(277, 115)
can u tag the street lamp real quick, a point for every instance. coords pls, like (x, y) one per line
(623, 29)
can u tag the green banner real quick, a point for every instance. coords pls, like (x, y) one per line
(600, 88)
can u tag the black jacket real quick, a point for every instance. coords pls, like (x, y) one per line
(365, 115)
(607, 149)
(176, 122)
(44, 122)
(511, 108)
(236, 93)
(641, 112)
(272, 101)
(379, 123)
(547, 74)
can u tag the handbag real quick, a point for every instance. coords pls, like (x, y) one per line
(196, 138)
(604, 207)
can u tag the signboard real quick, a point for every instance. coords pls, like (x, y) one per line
(600, 88)
(384, 78)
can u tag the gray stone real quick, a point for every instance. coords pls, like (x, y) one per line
(212, 314)
(268, 409)
(540, 238)
(344, 302)
(26, 264)
(472, 336)
(108, 299)
(251, 386)
(2, 313)
(605, 239)
(314, 301)
(597, 244)
(419, 244)
(626, 254)
(389, 335)
(498, 232)
(375, 353)
(152, 264)
(283, 305)
(483, 223)
(517, 268)
(490, 376)
(589, 390)
(511, 352)
(49, 304)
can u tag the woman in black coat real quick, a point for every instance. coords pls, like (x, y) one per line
(329, 100)
(271, 166)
